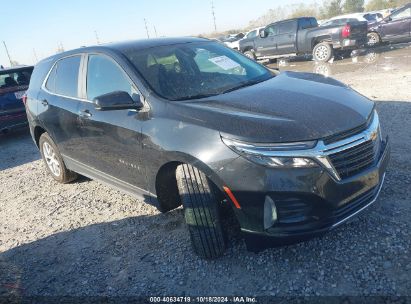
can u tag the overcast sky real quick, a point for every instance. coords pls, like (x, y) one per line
(39, 26)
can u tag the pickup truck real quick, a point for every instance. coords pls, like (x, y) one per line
(301, 36)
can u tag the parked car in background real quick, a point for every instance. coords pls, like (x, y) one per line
(13, 85)
(250, 35)
(395, 27)
(301, 36)
(232, 40)
(189, 121)
(341, 20)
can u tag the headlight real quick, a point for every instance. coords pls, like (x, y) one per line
(273, 155)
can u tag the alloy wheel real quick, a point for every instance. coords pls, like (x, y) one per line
(51, 159)
(321, 53)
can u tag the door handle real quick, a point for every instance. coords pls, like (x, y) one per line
(85, 114)
(44, 102)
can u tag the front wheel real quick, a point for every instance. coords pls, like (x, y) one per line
(250, 54)
(201, 212)
(373, 39)
(54, 161)
(322, 52)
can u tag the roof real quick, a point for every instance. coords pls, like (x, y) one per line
(293, 19)
(132, 44)
(353, 15)
(15, 68)
(149, 43)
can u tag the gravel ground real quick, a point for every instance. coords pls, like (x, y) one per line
(87, 239)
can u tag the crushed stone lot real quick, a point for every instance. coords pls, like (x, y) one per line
(86, 239)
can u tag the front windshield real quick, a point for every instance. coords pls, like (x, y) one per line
(195, 70)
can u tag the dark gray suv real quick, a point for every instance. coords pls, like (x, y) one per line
(189, 121)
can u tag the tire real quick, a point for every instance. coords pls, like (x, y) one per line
(53, 160)
(322, 52)
(201, 212)
(250, 54)
(373, 39)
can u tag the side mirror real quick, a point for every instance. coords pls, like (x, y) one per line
(118, 100)
(263, 34)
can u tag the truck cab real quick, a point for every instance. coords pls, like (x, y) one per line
(300, 36)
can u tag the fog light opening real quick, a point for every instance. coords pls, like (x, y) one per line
(270, 213)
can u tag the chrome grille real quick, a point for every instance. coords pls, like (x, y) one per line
(355, 159)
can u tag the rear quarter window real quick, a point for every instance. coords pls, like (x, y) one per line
(287, 27)
(63, 79)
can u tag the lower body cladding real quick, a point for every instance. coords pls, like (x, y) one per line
(285, 206)
(11, 121)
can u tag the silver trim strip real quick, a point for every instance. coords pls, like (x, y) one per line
(320, 152)
(44, 88)
(366, 206)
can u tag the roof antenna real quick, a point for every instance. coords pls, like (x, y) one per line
(7, 52)
(213, 13)
(145, 23)
(97, 38)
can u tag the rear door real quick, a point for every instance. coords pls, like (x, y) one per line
(287, 37)
(398, 26)
(110, 140)
(58, 102)
(267, 46)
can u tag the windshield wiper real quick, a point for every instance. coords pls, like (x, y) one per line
(196, 96)
(243, 85)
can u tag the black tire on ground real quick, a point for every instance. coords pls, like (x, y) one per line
(250, 54)
(53, 160)
(201, 211)
(373, 39)
(322, 52)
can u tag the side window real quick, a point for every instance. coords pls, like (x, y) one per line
(340, 21)
(51, 81)
(63, 79)
(252, 34)
(287, 27)
(305, 23)
(272, 30)
(313, 22)
(105, 76)
(401, 15)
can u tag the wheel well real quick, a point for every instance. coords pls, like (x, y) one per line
(374, 32)
(166, 187)
(319, 40)
(248, 48)
(37, 133)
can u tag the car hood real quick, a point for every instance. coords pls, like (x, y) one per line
(289, 107)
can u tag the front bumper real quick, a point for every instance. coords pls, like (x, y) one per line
(309, 201)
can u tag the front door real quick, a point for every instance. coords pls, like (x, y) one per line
(267, 46)
(398, 26)
(111, 139)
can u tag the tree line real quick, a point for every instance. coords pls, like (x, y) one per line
(328, 9)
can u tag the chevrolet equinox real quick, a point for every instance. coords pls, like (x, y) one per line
(187, 121)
